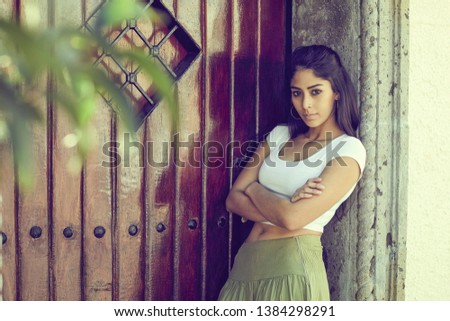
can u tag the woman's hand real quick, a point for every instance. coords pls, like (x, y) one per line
(309, 189)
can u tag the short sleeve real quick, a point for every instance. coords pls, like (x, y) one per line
(278, 135)
(350, 147)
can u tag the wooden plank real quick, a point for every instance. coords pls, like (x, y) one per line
(7, 223)
(170, 5)
(245, 51)
(189, 169)
(129, 245)
(218, 17)
(188, 14)
(8, 9)
(272, 83)
(97, 209)
(8, 256)
(33, 205)
(97, 195)
(130, 232)
(66, 251)
(159, 198)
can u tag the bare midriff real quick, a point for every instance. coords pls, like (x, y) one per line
(262, 232)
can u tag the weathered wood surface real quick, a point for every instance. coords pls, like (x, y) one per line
(167, 234)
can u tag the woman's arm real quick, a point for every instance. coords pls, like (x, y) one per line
(239, 203)
(339, 177)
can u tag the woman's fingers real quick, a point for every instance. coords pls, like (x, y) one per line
(304, 194)
(312, 190)
(299, 196)
(316, 186)
(311, 187)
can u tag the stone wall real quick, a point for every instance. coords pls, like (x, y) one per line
(428, 257)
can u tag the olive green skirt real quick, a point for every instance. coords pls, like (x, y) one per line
(278, 270)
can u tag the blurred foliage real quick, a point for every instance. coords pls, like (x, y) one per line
(28, 53)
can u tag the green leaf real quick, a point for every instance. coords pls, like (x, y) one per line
(116, 11)
(21, 143)
(121, 103)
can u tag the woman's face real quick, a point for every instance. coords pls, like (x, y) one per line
(312, 97)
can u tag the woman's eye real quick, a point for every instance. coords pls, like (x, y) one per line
(296, 93)
(316, 91)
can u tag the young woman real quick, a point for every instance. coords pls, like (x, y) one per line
(295, 182)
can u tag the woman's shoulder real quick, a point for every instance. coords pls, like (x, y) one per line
(277, 136)
(353, 142)
(279, 132)
(350, 146)
(280, 128)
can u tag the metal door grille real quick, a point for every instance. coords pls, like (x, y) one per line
(181, 51)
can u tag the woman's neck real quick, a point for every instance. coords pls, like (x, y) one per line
(325, 132)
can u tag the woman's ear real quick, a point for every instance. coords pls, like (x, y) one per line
(336, 96)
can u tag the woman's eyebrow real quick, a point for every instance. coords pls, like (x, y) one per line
(316, 85)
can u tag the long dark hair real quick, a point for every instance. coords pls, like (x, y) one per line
(326, 64)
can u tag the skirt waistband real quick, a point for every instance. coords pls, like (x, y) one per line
(307, 239)
(278, 257)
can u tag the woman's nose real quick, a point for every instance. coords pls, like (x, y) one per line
(307, 102)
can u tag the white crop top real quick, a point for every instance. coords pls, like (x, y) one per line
(285, 177)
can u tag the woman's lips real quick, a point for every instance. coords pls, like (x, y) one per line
(310, 116)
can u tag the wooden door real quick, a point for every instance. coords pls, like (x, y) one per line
(154, 227)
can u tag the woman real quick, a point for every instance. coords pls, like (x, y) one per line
(295, 182)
